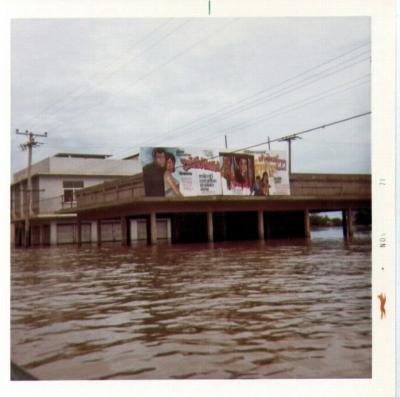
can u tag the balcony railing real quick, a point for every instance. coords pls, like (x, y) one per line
(43, 206)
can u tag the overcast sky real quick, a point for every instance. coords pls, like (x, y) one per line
(113, 85)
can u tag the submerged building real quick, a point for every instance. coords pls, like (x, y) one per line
(123, 204)
(82, 198)
(55, 183)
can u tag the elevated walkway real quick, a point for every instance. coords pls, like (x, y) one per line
(124, 202)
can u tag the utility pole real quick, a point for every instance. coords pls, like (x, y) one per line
(28, 211)
(226, 142)
(289, 140)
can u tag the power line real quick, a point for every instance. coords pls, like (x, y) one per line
(228, 109)
(216, 113)
(261, 118)
(294, 106)
(271, 97)
(302, 103)
(324, 63)
(158, 67)
(305, 131)
(74, 91)
(77, 89)
(141, 53)
(292, 136)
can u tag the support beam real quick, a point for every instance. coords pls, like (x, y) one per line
(53, 233)
(153, 228)
(307, 226)
(347, 222)
(261, 234)
(98, 232)
(93, 232)
(41, 234)
(210, 227)
(79, 232)
(124, 231)
(344, 224)
(349, 217)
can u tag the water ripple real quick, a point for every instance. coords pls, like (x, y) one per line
(283, 309)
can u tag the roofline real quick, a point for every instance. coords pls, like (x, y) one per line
(133, 156)
(83, 155)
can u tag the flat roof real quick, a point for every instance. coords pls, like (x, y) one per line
(83, 155)
(132, 156)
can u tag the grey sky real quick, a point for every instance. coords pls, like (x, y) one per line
(112, 85)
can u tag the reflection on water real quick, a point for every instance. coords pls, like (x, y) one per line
(281, 309)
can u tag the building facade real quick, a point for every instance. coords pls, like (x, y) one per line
(55, 182)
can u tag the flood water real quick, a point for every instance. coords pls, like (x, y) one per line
(280, 309)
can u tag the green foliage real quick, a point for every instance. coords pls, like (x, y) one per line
(317, 220)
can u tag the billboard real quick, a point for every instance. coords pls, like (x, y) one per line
(188, 172)
(181, 172)
(237, 173)
(271, 169)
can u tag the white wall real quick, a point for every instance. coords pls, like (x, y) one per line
(52, 186)
(65, 165)
(94, 166)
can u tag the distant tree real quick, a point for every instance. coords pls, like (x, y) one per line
(317, 220)
(336, 222)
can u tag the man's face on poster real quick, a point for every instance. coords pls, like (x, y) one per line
(227, 164)
(160, 159)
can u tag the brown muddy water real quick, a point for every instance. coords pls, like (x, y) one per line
(281, 309)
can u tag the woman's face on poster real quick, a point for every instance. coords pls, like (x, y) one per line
(170, 166)
(243, 166)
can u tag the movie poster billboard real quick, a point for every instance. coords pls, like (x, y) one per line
(237, 173)
(272, 174)
(180, 172)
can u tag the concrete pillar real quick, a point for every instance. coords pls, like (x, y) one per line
(98, 224)
(124, 231)
(41, 234)
(344, 224)
(13, 231)
(347, 222)
(307, 227)
(169, 226)
(210, 227)
(79, 232)
(53, 233)
(261, 234)
(349, 217)
(93, 232)
(153, 228)
(133, 230)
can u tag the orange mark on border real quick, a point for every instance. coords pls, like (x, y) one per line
(382, 298)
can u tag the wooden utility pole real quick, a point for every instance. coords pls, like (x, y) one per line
(289, 140)
(226, 142)
(28, 210)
